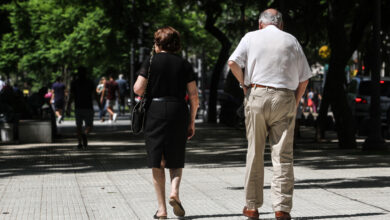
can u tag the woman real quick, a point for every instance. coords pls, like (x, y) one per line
(168, 123)
(102, 106)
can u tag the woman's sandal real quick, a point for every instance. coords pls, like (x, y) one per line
(159, 217)
(178, 209)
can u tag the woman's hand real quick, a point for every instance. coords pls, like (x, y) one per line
(191, 130)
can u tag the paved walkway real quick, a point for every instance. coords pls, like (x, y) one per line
(111, 181)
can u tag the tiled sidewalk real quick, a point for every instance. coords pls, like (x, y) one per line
(111, 181)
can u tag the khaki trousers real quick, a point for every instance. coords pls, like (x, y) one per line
(270, 112)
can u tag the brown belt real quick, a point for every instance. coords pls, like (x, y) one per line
(261, 86)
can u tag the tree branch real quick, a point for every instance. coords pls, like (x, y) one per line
(362, 18)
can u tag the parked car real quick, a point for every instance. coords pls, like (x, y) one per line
(359, 98)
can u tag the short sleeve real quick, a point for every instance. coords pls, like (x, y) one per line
(304, 70)
(190, 73)
(145, 67)
(239, 55)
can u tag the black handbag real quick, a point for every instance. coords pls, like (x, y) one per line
(138, 114)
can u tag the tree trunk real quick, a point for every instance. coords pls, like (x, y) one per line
(375, 140)
(218, 68)
(334, 92)
(342, 49)
(338, 100)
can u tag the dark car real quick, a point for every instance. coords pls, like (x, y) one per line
(359, 98)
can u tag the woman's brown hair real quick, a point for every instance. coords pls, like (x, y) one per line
(168, 39)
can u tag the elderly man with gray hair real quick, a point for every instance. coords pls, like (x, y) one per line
(275, 78)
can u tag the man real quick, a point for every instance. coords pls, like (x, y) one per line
(82, 91)
(123, 88)
(112, 90)
(276, 76)
(58, 96)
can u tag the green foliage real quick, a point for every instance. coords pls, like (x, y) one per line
(47, 38)
(8, 53)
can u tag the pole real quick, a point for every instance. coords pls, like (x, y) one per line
(132, 101)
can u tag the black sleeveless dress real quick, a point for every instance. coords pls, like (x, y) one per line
(167, 116)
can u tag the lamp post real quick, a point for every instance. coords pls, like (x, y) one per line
(132, 101)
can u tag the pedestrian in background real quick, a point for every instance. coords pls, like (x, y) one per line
(2, 83)
(111, 91)
(276, 76)
(123, 88)
(317, 100)
(82, 92)
(168, 123)
(58, 98)
(310, 101)
(102, 103)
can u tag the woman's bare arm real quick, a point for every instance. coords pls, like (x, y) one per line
(192, 91)
(140, 85)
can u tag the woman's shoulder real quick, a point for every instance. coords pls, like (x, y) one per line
(170, 59)
(172, 56)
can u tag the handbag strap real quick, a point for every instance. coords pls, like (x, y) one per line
(147, 82)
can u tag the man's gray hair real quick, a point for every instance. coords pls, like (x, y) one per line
(267, 17)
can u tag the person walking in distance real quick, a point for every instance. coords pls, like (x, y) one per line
(82, 92)
(2, 84)
(58, 96)
(123, 88)
(102, 104)
(112, 90)
(276, 76)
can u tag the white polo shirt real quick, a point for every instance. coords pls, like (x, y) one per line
(272, 57)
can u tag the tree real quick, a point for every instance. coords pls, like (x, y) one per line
(375, 140)
(344, 40)
(52, 37)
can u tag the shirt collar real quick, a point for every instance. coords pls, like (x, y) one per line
(271, 26)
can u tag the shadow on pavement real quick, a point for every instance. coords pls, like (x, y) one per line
(341, 183)
(214, 146)
(210, 216)
(297, 218)
(340, 216)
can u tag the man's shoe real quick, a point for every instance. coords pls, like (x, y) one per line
(279, 215)
(251, 214)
